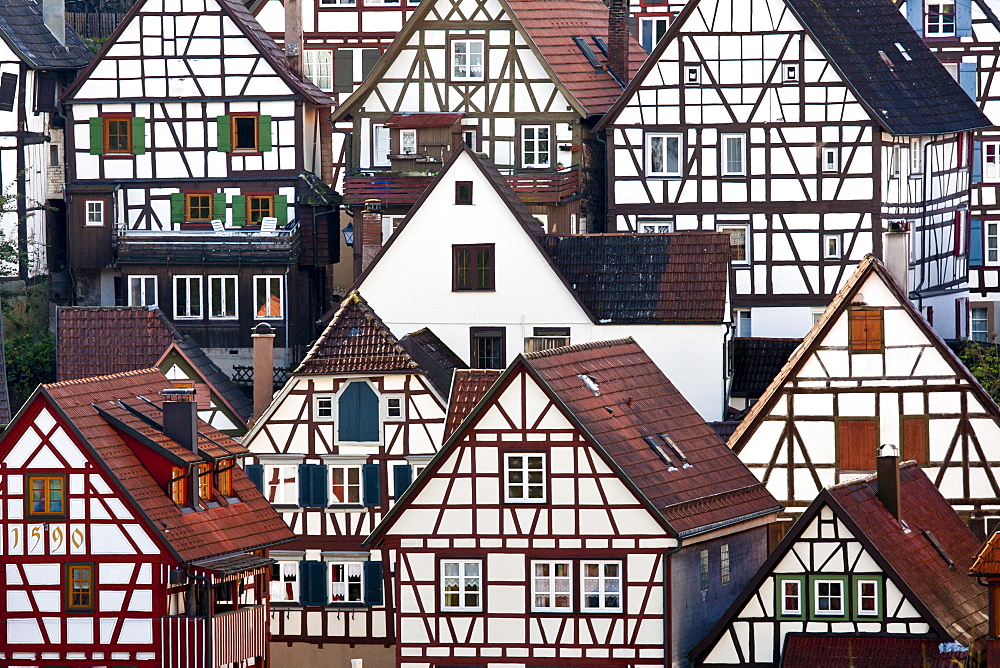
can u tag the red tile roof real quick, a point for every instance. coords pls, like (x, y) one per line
(467, 389)
(423, 120)
(814, 651)
(988, 559)
(244, 526)
(356, 341)
(102, 340)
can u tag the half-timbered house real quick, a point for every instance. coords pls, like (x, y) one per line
(518, 80)
(806, 130)
(986, 570)
(344, 437)
(582, 514)
(481, 274)
(872, 371)
(873, 573)
(130, 534)
(39, 55)
(194, 174)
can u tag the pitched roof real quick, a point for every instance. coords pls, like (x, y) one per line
(248, 525)
(649, 278)
(467, 389)
(356, 341)
(102, 340)
(23, 28)
(434, 357)
(988, 558)
(756, 361)
(228, 391)
(837, 651)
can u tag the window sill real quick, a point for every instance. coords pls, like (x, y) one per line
(244, 154)
(473, 289)
(269, 317)
(461, 611)
(118, 155)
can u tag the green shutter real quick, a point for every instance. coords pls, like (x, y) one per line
(176, 208)
(264, 133)
(223, 124)
(96, 135)
(219, 206)
(239, 210)
(281, 209)
(138, 136)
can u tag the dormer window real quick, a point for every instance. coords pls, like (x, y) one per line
(205, 481)
(224, 480)
(178, 486)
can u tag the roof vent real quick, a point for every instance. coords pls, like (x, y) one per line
(660, 452)
(902, 50)
(676, 448)
(590, 382)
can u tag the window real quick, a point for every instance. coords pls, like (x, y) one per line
(467, 60)
(739, 246)
(551, 586)
(536, 146)
(857, 443)
(345, 484)
(831, 159)
(916, 158)
(281, 484)
(79, 586)
(992, 240)
(652, 30)
(358, 414)
(267, 295)
(913, 431)
(178, 486)
(142, 291)
(725, 575)
(940, 19)
(868, 604)
(692, 75)
(979, 329)
(525, 475)
(663, 154)
(48, 495)
(222, 297)
(285, 582)
(187, 297)
(656, 226)
(894, 160)
(245, 131)
(829, 597)
(991, 161)
(734, 155)
(469, 137)
(380, 146)
(95, 213)
(395, 408)
(463, 192)
(324, 408)
(461, 587)
(345, 582)
(789, 596)
(703, 570)
(205, 481)
(198, 207)
(487, 348)
(831, 246)
(318, 67)
(224, 479)
(602, 585)
(744, 322)
(259, 207)
(790, 72)
(118, 135)
(546, 338)
(408, 142)
(473, 267)
(866, 330)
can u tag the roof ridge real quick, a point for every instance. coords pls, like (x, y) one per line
(80, 381)
(873, 477)
(592, 345)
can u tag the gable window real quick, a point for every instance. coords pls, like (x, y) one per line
(48, 495)
(734, 162)
(463, 192)
(222, 297)
(992, 240)
(857, 442)
(914, 438)
(472, 267)
(831, 246)
(828, 597)
(285, 582)
(346, 582)
(652, 30)
(656, 225)
(703, 570)
(979, 325)
(831, 159)
(358, 414)
(467, 57)
(663, 154)
(408, 141)
(324, 408)
(790, 596)
(790, 72)
(178, 486)
(281, 484)
(94, 213)
(692, 75)
(865, 330)
(991, 161)
(602, 586)
(461, 586)
(940, 19)
(536, 146)
(267, 297)
(916, 158)
(394, 407)
(345, 484)
(724, 574)
(868, 597)
(187, 296)
(739, 242)
(487, 348)
(525, 475)
(142, 291)
(318, 67)
(8, 91)
(551, 586)
(79, 587)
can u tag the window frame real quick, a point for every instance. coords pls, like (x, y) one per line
(552, 578)
(783, 612)
(498, 334)
(462, 591)
(280, 564)
(332, 566)
(388, 415)
(87, 221)
(843, 614)
(916, 158)
(941, 21)
(990, 161)
(468, 77)
(525, 484)
(47, 479)
(689, 70)
(653, 24)
(535, 163)
(666, 222)
(234, 133)
(664, 137)
(704, 570)
(249, 201)
(474, 269)
(178, 486)
(310, 62)
(144, 285)
(991, 241)
(839, 242)
(602, 578)
(188, 279)
(224, 480)
(106, 122)
(463, 193)
(858, 581)
(282, 484)
(70, 580)
(224, 278)
(725, 566)
(346, 484)
(267, 280)
(743, 315)
(317, 408)
(985, 320)
(829, 160)
(724, 152)
(189, 205)
(730, 228)
(204, 481)
(790, 72)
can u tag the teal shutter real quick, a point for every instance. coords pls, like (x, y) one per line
(239, 210)
(219, 206)
(177, 208)
(224, 140)
(312, 582)
(371, 485)
(256, 474)
(976, 243)
(96, 136)
(281, 209)
(915, 15)
(138, 136)
(312, 485)
(358, 413)
(373, 582)
(402, 476)
(967, 79)
(963, 18)
(264, 133)
(977, 162)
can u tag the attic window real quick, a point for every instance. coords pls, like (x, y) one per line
(790, 72)
(692, 75)
(601, 45)
(885, 59)
(675, 448)
(902, 50)
(660, 452)
(588, 52)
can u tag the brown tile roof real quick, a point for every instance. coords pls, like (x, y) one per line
(467, 389)
(988, 559)
(248, 525)
(102, 340)
(356, 341)
(711, 488)
(837, 651)
(956, 601)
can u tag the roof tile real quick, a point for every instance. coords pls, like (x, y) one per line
(468, 388)
(24, 30)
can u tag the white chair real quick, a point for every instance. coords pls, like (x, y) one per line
(269, 226)
(218, 228)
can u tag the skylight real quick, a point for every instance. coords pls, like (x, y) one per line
(902, 50)
(660, 452)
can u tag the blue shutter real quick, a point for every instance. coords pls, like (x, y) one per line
(371, 485)
(373, 583)
(976, 243)
(402, 476)
(977, 162)
(358, 412)
(312, 582)
(312, 485)
(256, 474)
(967, 79)
(963, 18)
(915, 15)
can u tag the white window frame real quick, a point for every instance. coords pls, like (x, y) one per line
(979, 323)
(359, 569)
(535, 162)
(833, 246)
(664, 139)
(744, 322)
(473, 134)
(147, 287)
(263, 282)
(692, 75)
(278, 588)
(551, 583)
(936, 29)
(189, 280)
(861, 597)
(991, 241)
(464, 72)
(798, 596)
(525, 485)
(93, 213)
(408, 136)
(324, 403)
(656, 226)
(916, 158)
(725, 151)
(359, 486)
(649, 26)
(463, 591)
(830, 159)
(790, 72)
(224, 279)
(605, 586)
(381, 136)
(286, 486)
(745, 227)
(317, 66)
(991, 161)
(394, 407)
(816, 599)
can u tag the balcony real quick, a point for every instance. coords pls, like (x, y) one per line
(395, 189)
(246, 245)
(235, 636)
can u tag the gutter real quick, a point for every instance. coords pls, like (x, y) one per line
(708, 528)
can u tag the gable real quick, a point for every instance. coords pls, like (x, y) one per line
(211, 408)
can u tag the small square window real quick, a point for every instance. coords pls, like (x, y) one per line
(790, 72)
(828, 598)
(463, 192)
(95, 213)
(281, 485)
(345, 484)
(48, 496)
(259, 207)
(865, 330)
(739, 243)
(831, 246)
(831, 159)
(245, 133)
(324, 408)
(664, 154)
(601, 586)
(79, 587)
(394, 407)
(198, 207)
(461, 586)
(118, 135)
(525, 474)
(142, 291)
(473, 267)
(692, 75)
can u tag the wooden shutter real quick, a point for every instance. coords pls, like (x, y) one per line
(402, 476)
(371, 485)
(369, 58)
(866, 329)
(219, 206)
(96, 136)
(968, 79)
(224, 139)
(312, 582)
(177, 208)
(256, 474)
(281, 209)
(138, 136)
(963, 17)
(975, 242)
(8, 91)
(343, 73)
(915, 15)
(373, 582)
(857, 441)
(239, 210)
(264, 133)
(358, 413)
(45, 91)
(915, 439)
(977, 162)
(312, 486)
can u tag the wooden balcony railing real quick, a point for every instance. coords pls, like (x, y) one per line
(235, 636)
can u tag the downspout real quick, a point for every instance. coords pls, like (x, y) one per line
(923, 219)
(21, 195)
(668, 604)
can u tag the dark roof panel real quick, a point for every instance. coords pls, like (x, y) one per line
(434, 357)
(230, 392)
(757, 361)
(24, 30)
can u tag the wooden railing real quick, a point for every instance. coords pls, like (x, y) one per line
(236, 636)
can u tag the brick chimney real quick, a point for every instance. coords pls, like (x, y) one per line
(371, 232)
(618, 39)
(887, 473)
(293, 35)
(263, 368)
(54, 17)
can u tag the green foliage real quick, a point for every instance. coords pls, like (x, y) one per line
(983, 361)
(29, 348)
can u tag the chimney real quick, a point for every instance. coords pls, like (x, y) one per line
(263, 368)
(897, 254)
(180, 417)
(371, 231)
(293, 35)
(54, 16)
(887, 473)
(618, 40)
